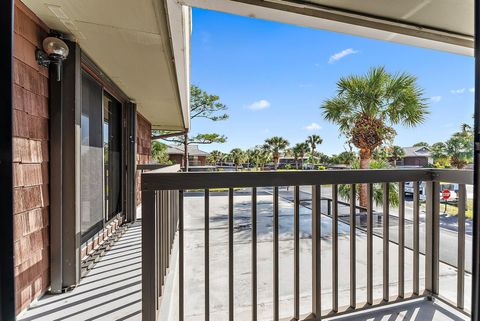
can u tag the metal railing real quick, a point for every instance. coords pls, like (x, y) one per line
(163, 203)
(159, 227)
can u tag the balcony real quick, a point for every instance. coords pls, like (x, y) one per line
(244, 246)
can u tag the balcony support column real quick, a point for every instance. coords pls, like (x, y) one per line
(476, 178)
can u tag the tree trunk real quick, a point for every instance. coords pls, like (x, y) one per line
(365, 156)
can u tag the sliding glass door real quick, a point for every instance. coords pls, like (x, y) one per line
(91, 158)
(112, 145)
(101, 157)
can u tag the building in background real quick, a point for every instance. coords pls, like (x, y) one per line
(196, 157)
(418, 156)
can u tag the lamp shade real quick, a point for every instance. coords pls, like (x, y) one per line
(55, 46)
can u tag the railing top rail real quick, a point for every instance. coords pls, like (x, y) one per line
(199, 180)
(460, 176)
(157, 168)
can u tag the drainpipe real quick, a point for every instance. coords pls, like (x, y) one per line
(476, 177)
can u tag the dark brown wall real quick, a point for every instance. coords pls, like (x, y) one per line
(202, 160)
(415, 161)
(144, 134)
(30, 143)
(176, 159)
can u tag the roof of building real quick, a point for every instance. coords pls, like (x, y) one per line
(193, 150)
(417, 151)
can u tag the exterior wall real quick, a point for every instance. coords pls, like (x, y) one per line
(415, 161)
(193, 160)
(176, 159)
(144, 146)
(197, 160)
(31, 176)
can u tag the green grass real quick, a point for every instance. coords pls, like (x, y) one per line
(453, 209)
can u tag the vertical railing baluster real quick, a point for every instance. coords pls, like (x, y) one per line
(207, 254)
(401, 239)
(462, 199)
(432, 241)
(275, 255)
(149, 263)
(163, 237)
(254, 253)
(181, 295)
(158, 242)
(416, 238)
(386, 241)
(370, 244)
(296, 253)
(316, 254)
(167, 224)
(353, 252)
(334, 248)
(230, 257)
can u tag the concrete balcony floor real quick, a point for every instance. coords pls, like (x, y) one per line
(112, 290)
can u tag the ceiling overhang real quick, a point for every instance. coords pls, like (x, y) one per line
(444, 25)
(142, 45)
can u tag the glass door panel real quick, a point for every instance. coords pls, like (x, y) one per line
(91, 157)
(112, 142)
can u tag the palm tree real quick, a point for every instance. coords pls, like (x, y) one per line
(276, 144)
(395, 153)
(366, 107)
(238, 157)
(460, 147)
(439, 151)
(346, 158)
(313, 141)
(298, 152)
(215, 157)
(260, 156)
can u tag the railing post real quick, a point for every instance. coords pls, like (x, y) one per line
(432, 235)
(462, 200)
(316, 263)
(149, 257)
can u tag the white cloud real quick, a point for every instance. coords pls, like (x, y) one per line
(313, 127)
(458, 91)
(341, 54)
(259, 105)
(472, 90)
(435, 99)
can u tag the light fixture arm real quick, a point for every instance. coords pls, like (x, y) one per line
(54, 52)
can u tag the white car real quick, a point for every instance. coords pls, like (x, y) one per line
(453, 188)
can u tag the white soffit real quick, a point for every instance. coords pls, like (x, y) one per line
(446, 25)
(133, 43)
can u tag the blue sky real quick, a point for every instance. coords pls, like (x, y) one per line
(273, 77)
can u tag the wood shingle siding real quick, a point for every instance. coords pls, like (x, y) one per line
(144, 132)
(30, 157)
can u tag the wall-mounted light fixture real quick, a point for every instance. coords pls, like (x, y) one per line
(54, 52)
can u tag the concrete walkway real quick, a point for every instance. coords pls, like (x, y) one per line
(194, 258)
